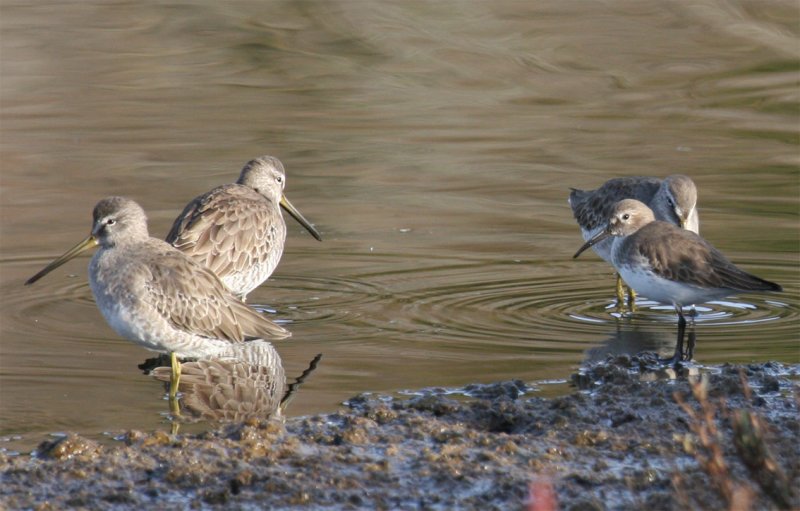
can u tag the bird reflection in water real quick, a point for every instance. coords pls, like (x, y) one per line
(248, 382)
(631, 337)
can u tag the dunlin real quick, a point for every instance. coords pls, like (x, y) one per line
(668, 264)
(673, 200)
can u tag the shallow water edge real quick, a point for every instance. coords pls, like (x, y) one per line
(624, 442)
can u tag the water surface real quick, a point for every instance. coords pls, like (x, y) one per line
(433, 144)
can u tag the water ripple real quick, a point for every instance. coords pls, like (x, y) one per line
(58, 311)
(325, 299)
(502, 302)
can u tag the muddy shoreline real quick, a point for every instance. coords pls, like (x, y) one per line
(619, 441)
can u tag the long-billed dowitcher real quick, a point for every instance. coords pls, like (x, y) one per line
(673, 200)
(155, 295)
(668, 264)
(237, 230)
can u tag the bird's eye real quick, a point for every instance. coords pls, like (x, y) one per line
(110, 221)
(626, 216)
(279, 179)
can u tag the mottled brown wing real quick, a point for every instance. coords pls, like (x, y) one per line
(226, 230)
(592, 209)
(254, 324)
(191, 298)
(194, 300)
(690, 259)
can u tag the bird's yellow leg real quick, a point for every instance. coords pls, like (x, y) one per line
(176, 375)
(621, 296)
(620, 292)
(175, 364)
(631, 299)
(173, 385)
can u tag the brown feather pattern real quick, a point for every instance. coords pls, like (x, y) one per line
(689, 259)
(220, 229)
(193, 299)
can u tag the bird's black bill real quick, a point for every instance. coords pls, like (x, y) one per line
(300, 218)
(84, 245)
(594, 241)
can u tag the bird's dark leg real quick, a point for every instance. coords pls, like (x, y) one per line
(678, 356)
(691, 341)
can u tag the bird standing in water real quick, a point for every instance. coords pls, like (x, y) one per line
(673, 200)
(154, 295)
(237, 230)
(668, 264)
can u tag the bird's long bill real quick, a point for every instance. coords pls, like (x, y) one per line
(300, 218)
(594, 241)
(84, 245)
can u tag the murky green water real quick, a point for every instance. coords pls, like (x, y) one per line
(433, 144)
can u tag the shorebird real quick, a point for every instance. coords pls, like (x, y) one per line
(673, 200)
(156, 296)
(668, 264)
(237, 230)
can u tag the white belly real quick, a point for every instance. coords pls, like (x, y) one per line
(666, 291)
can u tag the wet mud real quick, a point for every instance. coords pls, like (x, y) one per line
(627, 437)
